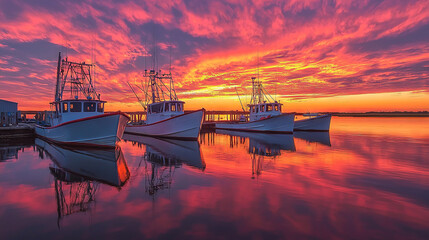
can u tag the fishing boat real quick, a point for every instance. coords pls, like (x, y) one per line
(314, 122)
(79, 118)
(265, 114)
(165, 115)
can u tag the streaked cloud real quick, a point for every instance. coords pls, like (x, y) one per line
(301, 49)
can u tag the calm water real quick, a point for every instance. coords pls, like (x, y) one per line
(367, 179)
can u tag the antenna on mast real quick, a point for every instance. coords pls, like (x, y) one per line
(145, 54)
(171, 79)
(258, 65)
(57, 88)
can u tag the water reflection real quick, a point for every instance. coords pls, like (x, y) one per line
(314, 137)
(10, 147)
(78, 173)
(367, 184)
(260, 146)
(163, 156)
(102, 165)
(261, 143)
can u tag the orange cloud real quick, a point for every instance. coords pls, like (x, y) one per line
(301, 49)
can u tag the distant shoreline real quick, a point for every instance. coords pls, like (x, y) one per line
(337, 114)
(382, 114)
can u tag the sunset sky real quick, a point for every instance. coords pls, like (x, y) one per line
(312, 55)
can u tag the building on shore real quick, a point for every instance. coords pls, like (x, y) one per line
(9, 114)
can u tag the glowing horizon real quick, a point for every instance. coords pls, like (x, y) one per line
(318, 56)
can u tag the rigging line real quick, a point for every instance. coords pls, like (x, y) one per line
(141, 89)
(140, 101)
(266, 93)
(239, 100)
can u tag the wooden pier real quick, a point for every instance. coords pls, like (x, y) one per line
(209, 116)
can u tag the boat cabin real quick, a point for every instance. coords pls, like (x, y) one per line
(264, 110)
(69, 110)
(163, 110)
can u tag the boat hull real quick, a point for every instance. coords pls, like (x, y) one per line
(279, 124)
(99, 131)
(318, 124)
(186, 127)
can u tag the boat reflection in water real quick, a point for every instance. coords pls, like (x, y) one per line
(264, 143)
(317, 137)
(261, 145)
(78, 172)
(163, 156)
(10, 147)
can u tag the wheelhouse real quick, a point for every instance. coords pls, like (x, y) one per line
(163, 110)
(264, 110)
(69, 110)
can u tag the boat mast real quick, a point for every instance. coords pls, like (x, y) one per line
(57, 88)
(79, 78)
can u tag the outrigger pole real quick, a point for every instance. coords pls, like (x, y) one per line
(140, 101)
(239, 100)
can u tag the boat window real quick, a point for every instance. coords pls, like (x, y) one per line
(276, 107)
(89, 106)
(179, 107)
(257, 109)
(173, 107)
(65, 107)
(100, 107)
(269, 108)
(156, 108)
(75, 107)
(167, 107)
(262, 108)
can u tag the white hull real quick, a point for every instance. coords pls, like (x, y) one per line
(170, 150)
(102, 130)
(103, 165)
(279, 124)
(186, 126)
(319, 123)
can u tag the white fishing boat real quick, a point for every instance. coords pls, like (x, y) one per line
(317, 123)
(79, 119)
(165, 116)
(265, 114)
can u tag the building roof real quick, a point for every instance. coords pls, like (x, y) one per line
(5, 101)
